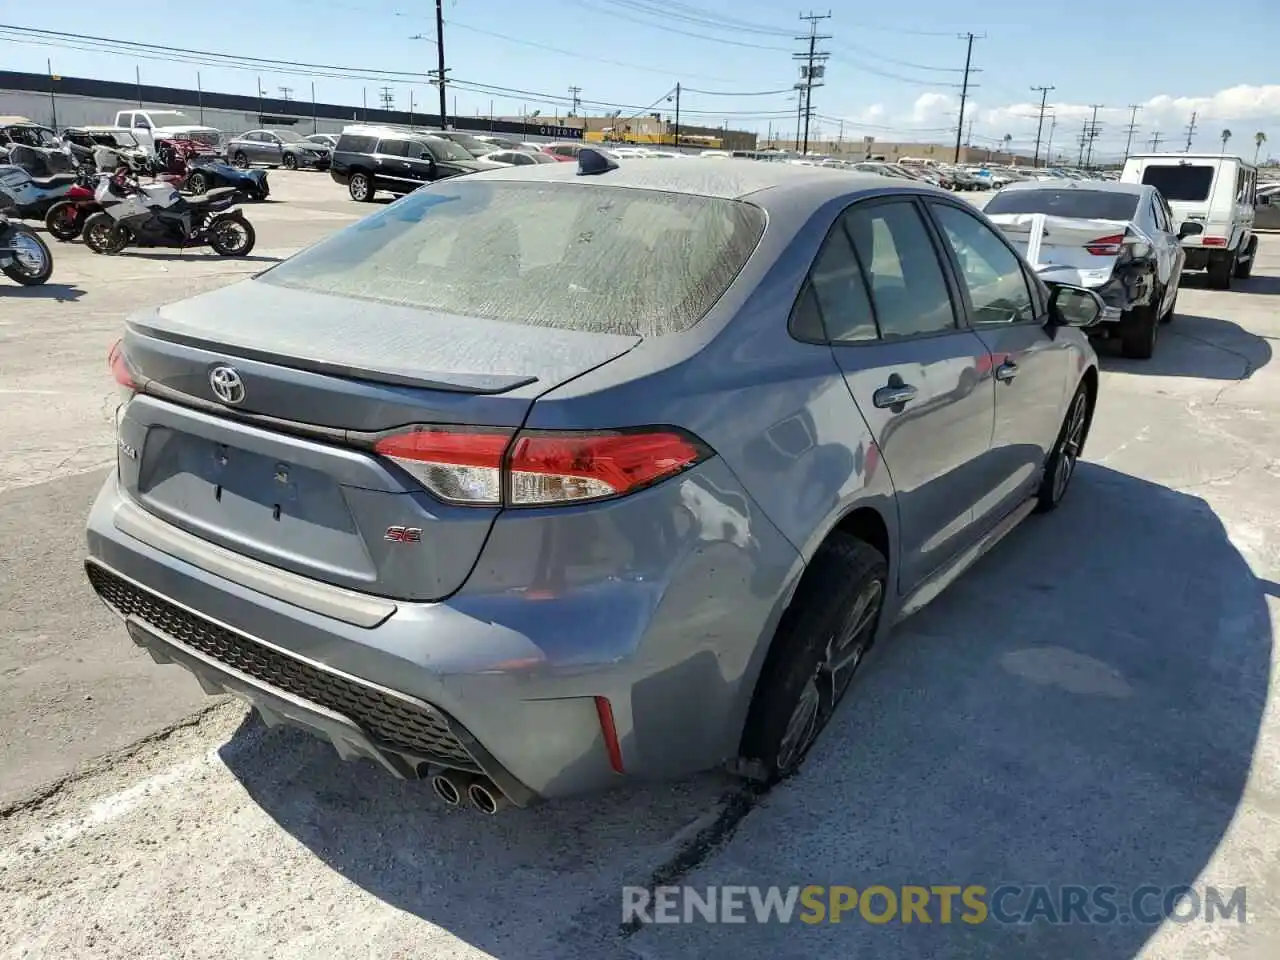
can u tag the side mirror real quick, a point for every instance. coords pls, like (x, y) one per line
(1075, 307)
(1189, 228)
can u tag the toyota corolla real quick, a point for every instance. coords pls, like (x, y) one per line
(549, 476)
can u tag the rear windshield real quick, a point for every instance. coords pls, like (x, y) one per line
(1080, 204)
(568, 255)
(1180, 182)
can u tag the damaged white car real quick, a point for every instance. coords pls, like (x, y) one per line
(1117, 239)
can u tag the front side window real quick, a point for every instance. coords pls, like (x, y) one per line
(568, 255)
(991, 271)
(908, 288)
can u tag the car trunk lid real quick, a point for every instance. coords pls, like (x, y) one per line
(1075, 250)
(282, 468)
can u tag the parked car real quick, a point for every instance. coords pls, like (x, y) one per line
(323, 139)
(150, 126)
(568, 152)
(1116, 239)
(499, 143)
(84, 141)
(1214, 190)
(1267, 208)
(277, 148)
(551, 475)
(518, 157)
(369, 159)
(206, 173)
(46, 155)
(469, 142)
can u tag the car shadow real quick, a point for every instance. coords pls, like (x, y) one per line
(1207, 348)
(1266, 285)
(61, 292)
(1081, 707)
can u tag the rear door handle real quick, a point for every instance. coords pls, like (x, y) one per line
(894, 395)
(1007, 371)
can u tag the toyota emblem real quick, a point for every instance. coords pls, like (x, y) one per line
(227, 385)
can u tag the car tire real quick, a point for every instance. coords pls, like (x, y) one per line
(361, 187)
(1140, 331)
(1173, 308)
(821, 641)
(290, 162)
(241, 160)
(1244, 268)
(1061, 465)
(198, 184)
(1220, 272)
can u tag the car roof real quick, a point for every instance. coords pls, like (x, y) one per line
(814, 185)
(1093, 186)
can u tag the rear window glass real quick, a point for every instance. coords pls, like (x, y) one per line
(1190, 183)
(1081, 204)
(353, 143)
(573, 256)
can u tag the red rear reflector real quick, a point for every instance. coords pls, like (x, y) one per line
(1213, 241)
(604, 711)
(120, 366)
(471, 466)
(1106, 246)
(456, 464)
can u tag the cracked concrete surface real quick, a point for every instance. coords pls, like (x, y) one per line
(1091, 704)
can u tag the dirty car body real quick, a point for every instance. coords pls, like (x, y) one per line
(524, 475)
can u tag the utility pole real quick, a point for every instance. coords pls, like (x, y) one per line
(388, 98)
(1155, 141)
(1044, 94)
(1094, 130)
(439, 76)
(200, 94)
(964, 88)
(137, 79)
(315, 117)
(53, 100)
(1191, 131)
(799, 112)
(284, 93)
(573, 92)
(1048, 147)
(1084, 137)
(677, 132)
(1132, 128)
(968, 140)
(812, 70)
(261, 93)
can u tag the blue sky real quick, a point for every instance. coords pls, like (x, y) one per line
(892, 77)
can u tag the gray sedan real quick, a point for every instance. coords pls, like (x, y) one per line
(552, 475)
(277, 148)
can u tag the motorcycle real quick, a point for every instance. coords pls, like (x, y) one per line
(24, 258)
(156, 215)
(66, 219)
(29, 198)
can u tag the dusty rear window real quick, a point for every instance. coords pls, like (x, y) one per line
(1078, 204)
(569, 255)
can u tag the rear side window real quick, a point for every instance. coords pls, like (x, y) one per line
(907, 284)
(1081, 204)
(1184, 182)
(353, 143)
(840, 293)
(568, 255)
(393, 148)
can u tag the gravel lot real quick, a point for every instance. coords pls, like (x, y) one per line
(1089, 705)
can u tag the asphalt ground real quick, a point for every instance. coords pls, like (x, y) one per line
(1090, 705)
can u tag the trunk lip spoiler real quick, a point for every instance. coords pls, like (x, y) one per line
(485, 384)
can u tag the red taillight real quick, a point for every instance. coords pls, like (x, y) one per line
(120, 366)
(1213, 241)
(543, 468)
(1106, 246)
(456, 464)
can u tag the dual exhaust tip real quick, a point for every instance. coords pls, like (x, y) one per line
(456, 788)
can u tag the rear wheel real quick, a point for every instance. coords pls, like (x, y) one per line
(1220, 270)
(1140, 330)
(32, 262)
(1244, 268)
(230, 236)
(290, 162)
(821, 641)
(198, 183)
(360, 186)
(63, 221)
(1173, 308)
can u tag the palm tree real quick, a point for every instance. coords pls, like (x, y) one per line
(1259, 139)
(1008, 139)
(1225, 136)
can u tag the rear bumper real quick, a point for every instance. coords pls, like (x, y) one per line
(339, 176)
(491, 680)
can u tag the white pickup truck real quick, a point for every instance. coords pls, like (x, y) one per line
(152, 125)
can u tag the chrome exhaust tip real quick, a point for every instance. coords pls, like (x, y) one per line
(450, 787)
(486, 797)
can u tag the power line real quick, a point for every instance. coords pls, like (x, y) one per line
(1132, 128)
(1044, 93)
(811, 72)
(964, 89)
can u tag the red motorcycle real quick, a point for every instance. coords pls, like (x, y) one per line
(66, 218)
